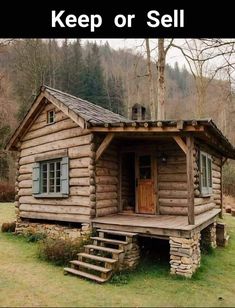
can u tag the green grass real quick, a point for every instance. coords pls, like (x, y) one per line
(27, 281)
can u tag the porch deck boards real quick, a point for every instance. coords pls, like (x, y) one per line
(158, 226)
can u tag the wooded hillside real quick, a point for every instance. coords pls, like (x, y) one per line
(114, 79)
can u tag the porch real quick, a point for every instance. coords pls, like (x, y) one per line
(159, 226)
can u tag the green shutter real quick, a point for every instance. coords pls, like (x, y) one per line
(36, 178)
(65, 176)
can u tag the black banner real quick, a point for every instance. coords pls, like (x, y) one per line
(70, 20)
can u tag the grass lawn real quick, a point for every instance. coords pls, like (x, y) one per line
(27, 281)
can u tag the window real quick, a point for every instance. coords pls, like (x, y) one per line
(50, 178)
(51, 117)
(206, 174)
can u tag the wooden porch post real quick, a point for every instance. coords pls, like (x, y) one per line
(190, 179)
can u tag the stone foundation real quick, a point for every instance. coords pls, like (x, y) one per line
(130, 258)
(185, 255)
(221, 234)
(26, 227)
(209, 236)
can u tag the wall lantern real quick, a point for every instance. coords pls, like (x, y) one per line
(163, 158)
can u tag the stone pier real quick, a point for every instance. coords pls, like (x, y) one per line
(209, 236)
(185, 255)
(129, 259)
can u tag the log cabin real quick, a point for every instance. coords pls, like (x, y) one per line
(85, 167)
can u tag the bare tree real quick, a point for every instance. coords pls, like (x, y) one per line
(150, 78)
(206, 58)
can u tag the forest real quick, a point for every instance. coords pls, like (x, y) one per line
(114, 79)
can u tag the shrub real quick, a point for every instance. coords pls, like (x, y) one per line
(8, 227)
(7, 192)
(61, 251)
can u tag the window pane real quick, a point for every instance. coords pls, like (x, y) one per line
(145, 173)
(145, 160)
(204, 171)
(58, 174)
(209, 172)
(52, 177)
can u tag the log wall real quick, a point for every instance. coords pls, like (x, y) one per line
(45, 141)
(107, 180)
(172, 181)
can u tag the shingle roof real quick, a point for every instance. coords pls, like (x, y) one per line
(90, 112)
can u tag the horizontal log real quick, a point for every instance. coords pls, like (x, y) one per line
(176, 160)
(176, 194)
(204, 208)
(42, 119)
(216, 186)
(80, 173)
(199, 201)
(82, 151)
(56, 145)
(105, 195)
(106, 211)
(100, 204)
(173, 202)
(164, 210)
(57, 209)
(106, 188)
(52, 216)
(83, 162)
(216, 192)
(25, 184)
(106, 180)
(216, 174)
(172, 177)
(105, 171)
(56, 136)
(26, 169)
(107, 164)
(56, 127)
(172, 185)
(216, 181)
(165, 169)
(82, 190)
(216, 168)
(73, 200)
(84, 181)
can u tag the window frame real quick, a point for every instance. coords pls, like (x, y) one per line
(48, 116)
(206, 190)
(64, 178)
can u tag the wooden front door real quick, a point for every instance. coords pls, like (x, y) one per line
(145, 195)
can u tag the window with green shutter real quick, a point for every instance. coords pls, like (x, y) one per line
(205, 174)
(51, 178)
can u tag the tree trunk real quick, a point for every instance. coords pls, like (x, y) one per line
(161, 80)
(150, 77)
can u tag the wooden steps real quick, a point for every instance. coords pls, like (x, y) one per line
(84, 274)
(105, 249)
(91, 266)
(110, 241)
(99, 261)
(97, 258)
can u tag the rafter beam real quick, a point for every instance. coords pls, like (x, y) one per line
(181, 143)
(105, 143)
